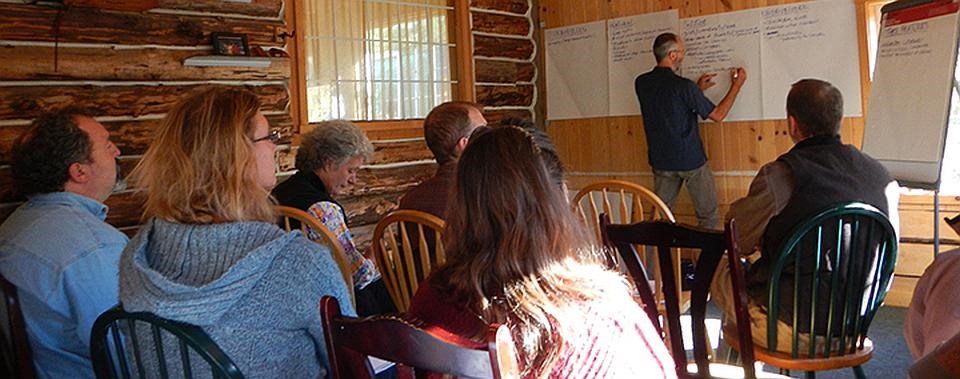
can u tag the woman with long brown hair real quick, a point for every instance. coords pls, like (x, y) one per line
(210, 253)
(517, 255)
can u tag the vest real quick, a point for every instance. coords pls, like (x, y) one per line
(826, 173)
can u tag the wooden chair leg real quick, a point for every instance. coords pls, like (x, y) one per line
(858, 372)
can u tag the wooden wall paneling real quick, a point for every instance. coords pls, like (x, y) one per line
(257, 8)
(512, 6)
(25, 101)
(34, 23)
(735, 149)
(105, 63)
(466, 50)
(127, 68)
(901, 291)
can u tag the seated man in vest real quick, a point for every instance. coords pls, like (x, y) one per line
(446, 129)
(819, 171)
(56, 248)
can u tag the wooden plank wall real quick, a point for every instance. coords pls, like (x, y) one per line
(615, 147)
(127, 68)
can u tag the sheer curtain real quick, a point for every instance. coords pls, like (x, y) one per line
(377, 59)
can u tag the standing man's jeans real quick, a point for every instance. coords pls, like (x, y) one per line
(700, 186)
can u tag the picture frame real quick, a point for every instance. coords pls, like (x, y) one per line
(230, 44)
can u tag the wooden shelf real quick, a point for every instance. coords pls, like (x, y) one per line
(226, 61)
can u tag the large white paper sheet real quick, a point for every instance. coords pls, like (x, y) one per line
(630, 49)
(576, 60)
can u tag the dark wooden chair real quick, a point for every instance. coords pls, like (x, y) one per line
(941, 363)
(407, 342)
(854, 240)
(712, 245)
(123, 341)
(18, 358)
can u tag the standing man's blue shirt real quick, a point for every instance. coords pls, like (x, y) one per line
(63, 258)
(670, 105)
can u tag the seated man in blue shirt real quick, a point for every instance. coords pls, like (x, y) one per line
(56, 248)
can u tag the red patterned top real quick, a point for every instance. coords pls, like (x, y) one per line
(605, 338)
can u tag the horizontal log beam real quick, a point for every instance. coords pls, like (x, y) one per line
(486, 46)
(148, 64)
(260, 8)
(520, 95)
(90, 25)
(512, 6)
(491, 71)
(27, 102)
(501, 24)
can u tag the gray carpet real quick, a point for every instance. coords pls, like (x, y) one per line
(891, 358)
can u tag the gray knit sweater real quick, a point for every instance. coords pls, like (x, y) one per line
(252, 287)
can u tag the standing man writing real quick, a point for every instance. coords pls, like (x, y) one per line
(670, 105)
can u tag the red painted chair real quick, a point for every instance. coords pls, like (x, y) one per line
(407, 342)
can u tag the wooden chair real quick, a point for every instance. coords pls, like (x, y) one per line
(854, 239)
(941, 363)
(712, 245)
(116, 331)
(407, 245)
(293, 218)
(16, 345)
(627, 203)
(407, 342)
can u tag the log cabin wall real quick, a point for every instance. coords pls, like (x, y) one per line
(504, 77)
(127, 68)
(615, 147)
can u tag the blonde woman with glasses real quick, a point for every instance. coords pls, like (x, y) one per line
(210, 253)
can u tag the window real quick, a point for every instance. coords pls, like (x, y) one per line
(873, 30)
(377, 59)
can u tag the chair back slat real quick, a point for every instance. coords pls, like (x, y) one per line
(665, 237)
(137, 357)
(115, 329)
(15, 340)
(185, 358)
(407, 245)
(118, 345)
(291, 218)
(855, 245)
(158, 348)
(643, 205)
(408, 342)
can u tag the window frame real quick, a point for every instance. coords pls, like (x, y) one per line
(462, 61)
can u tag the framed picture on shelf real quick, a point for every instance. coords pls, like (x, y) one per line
(230, 44)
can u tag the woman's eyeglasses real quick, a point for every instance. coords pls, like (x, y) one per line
(273, 137)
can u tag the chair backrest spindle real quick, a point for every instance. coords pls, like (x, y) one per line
(116, 329)
(407, 245)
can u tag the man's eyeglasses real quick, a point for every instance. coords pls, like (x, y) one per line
(273, 137)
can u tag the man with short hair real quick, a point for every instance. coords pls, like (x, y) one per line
(670, 105)
(56, 248)
(446, 129)
(818, 172)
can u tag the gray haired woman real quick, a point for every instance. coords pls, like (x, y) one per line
(327, 163)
